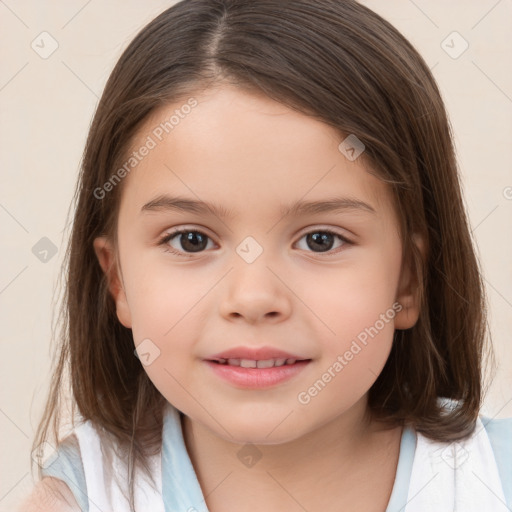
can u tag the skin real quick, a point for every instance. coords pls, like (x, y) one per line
(50, 495)
(253, 156)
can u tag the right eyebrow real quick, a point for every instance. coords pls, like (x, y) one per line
(184, 204)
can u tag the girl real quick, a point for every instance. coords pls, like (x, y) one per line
(269, 212)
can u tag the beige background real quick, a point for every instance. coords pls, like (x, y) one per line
(47, 105)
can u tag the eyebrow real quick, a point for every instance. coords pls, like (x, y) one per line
(184, 204)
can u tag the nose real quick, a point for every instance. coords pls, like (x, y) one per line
(255, 293)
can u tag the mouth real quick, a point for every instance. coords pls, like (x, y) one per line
(258, 363)
(254, 374)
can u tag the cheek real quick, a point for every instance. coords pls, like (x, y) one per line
(353, 298)
(163, 312)
(353, 357)
(357, 306)
(163, 299)
(166, 309)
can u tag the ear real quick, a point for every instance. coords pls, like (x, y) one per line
(107, 259)
(408, 293)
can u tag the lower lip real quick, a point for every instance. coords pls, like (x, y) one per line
(257, 378)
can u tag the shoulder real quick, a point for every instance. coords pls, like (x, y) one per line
(64, 470)
(499, 431)
(498, 427)
(50, 495)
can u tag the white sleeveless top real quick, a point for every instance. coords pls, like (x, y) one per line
(104, 490)
(456, 477)
(446, 477)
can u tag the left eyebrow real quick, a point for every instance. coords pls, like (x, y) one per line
(335, 204)
(184, 204)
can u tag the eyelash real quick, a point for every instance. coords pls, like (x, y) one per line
(169, 236)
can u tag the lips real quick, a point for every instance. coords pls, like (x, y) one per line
(256, 373)
(254, 363)
(238, 355)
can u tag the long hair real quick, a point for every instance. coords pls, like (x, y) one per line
(342, 63)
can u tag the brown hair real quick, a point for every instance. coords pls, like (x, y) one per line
(342, 63)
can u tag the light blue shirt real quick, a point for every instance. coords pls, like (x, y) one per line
(181, 489)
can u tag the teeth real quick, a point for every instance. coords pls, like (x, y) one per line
(268, 363)
(251, 363)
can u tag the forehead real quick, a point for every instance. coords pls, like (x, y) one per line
(243, 150)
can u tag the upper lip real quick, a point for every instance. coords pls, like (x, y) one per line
(255, 354)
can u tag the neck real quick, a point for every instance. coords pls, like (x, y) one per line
(331, 461)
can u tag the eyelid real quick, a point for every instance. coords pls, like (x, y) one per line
(185, 227)
(346, 241)
(336, 230)
(343, 233)
(173, 232)
(163, 241)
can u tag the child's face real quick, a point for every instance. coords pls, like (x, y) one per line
(256, 279)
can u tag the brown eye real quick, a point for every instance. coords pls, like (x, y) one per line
(321, 241)
(185, 241)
